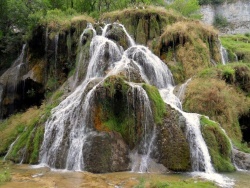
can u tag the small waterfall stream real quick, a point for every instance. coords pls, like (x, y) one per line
(224, 55)
(69, 126)
(10, 148)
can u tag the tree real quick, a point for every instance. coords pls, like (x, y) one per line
(188, 8)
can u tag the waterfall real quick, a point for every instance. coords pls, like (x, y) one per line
(11, 77)
(224, 54)
(70, 124)
(182, 89)
(146, 145)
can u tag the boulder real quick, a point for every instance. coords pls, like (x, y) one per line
(241, 159)
(173, 149)
(107, 153)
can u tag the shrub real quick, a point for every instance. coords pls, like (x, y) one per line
(188, 8)
(220, 21)
(219, 101)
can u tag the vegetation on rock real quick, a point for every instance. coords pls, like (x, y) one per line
(219, 101)
(145, 25)
(5, 175)
(237, 46)
(218, 144)
(173, 149)
(187, 48)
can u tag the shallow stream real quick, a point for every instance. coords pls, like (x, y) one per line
(30, 177)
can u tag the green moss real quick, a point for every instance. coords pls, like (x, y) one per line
(35, 142)
(241, 146)
(236, 74)
(5, 175)
(141, 35)
(172, 143)
(237, 44)
(218, 100)
(112, 112)
(177, 72)
(218, 144)
(189, 44)
(156, 182)
(9, 136)
(144, 24)
(183, 184)
(22, 142)
(158, 105)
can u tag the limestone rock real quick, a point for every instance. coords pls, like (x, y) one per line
(241, 159)
(108, 153)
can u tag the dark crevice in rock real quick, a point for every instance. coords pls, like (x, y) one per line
(245, 127)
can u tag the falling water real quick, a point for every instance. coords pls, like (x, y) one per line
(10, 148)
(182, 89)
(224, 54)
(141, 164)
(104, 31)
(71, 113)
(20, 60)
(12, 76)
(131, 41)
(69, 126)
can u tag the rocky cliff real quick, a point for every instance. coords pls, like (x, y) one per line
(236, 13)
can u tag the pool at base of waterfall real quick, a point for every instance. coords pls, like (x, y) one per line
(37, 176)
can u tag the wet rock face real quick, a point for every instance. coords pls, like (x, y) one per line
(116, 33)
(241, 159)
(173, 149)
(108, 153)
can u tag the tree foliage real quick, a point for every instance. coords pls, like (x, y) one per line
(18, 17)
(188, 8)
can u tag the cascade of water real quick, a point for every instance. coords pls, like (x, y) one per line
(104, 31)
(224, 54)
(69, 113)
(69, 126)
(10, 148)
(20, 59)
(156, 72)
(182, 90)
(236, 57)
(131, 41)
(69, 122)
(104, 54)
(146, 145)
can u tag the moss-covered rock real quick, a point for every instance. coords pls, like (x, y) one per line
(218, 145)
(236, 74)
(114, 112)
(219, 101)
(188, 47)
(27, 134)
(157, 103)
(108, 153)
(116, 33)
(119, 107)
(173, 149)
(144, 24)
(238, 47)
